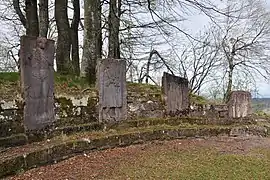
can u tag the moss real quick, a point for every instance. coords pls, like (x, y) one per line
(262, 114)
(12, 166)
(178, 121)
(196, 99)
(92, 103)
(38, 157)
(66, 106)
(36, 136)
(10, 127)
(79, 128)
(13, 140)
(143, 88)
(104, 140)
(71, 85)
(80, 146)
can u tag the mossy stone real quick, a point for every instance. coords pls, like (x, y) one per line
(37, 158)
(12, 166)
(14, 140)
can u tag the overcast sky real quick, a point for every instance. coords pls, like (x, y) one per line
(264, 88)
(199, 21)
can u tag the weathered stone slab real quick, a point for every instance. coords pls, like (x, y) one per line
(239, 104)
(112, 90)
(36, 62)
(175, 91)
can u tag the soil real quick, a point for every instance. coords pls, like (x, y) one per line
(100, 164)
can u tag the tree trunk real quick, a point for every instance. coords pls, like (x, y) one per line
(98, 30)
(92, 46)
(63, 40)
(230, 79)
(74, 38)
(16, 6)
(114, 25)
(43, 18)
(32, 24)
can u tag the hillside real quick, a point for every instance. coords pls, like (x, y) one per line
(261, 104)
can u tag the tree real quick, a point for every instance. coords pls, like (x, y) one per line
(30, 19)
(32, 24)
(200, 60)
(63, 39)
(92, 42)
(74, 37)
(43, 17)
(244, 41)
(114, 25)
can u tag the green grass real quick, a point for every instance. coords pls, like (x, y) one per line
(142, 87)
(9, 77)
(195, 164)
(196, 99)
(71, 80)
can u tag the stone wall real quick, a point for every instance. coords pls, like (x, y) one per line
(210, 111)
(146, 105)
(80, 110)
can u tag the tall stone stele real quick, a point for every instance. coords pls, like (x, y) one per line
(175, 93)
(112, 90)
(239, 104)
(37, 81)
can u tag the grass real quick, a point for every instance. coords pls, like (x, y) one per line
(67, 84)
(9, 77)
(144, 88)
(196, 99)
(195, 164)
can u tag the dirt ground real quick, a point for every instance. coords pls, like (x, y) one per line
(101, 164)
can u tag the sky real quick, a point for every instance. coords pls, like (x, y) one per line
(199, 21)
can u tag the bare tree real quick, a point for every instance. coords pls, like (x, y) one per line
(200, 60)
(244, 41)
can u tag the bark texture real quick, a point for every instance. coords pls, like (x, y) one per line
(114, 25)
(63, 40)
(16, 6)
(74, 37)
(32, 24)
(92, 39)
(43, 18)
